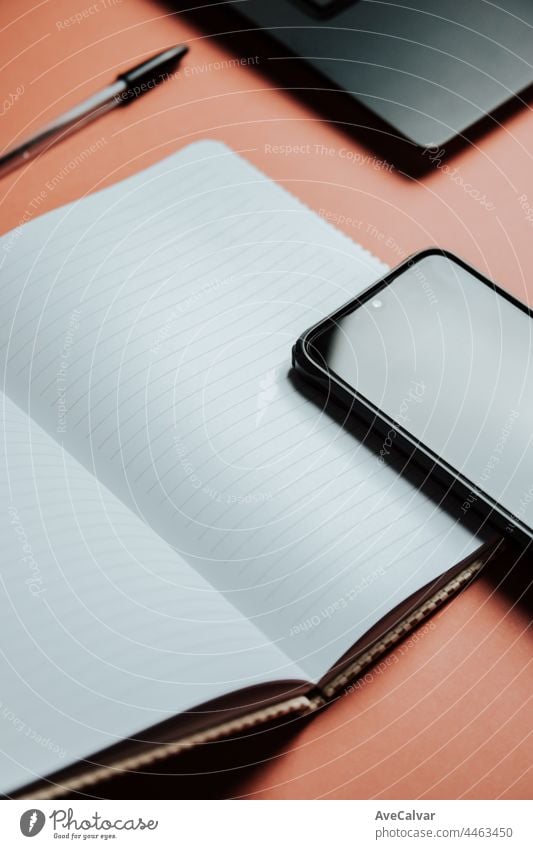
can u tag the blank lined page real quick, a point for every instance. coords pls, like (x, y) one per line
(149, 329)
(104, 630)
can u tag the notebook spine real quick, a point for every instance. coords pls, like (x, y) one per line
(396, 634)
(296, 706)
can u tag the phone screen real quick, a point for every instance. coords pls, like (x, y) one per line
(448, 359)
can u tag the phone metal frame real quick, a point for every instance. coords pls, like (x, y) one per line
(356, 403)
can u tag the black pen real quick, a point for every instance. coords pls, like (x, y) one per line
(127, 87)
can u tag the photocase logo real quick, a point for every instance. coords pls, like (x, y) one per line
(32, 822)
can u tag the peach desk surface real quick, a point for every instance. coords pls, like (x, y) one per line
(449, 716)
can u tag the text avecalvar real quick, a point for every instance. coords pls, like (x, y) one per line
(405, 815)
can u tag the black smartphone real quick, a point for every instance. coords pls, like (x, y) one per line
(439, 360)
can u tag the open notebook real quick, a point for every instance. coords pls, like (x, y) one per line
(189, 544)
